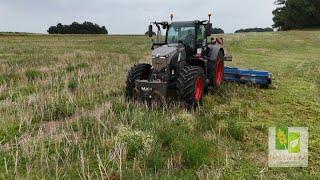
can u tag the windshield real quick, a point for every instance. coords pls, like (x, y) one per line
(179, 34)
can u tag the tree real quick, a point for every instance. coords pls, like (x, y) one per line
(268, 29)
(217, 31)
(296, 14)
(76, 28)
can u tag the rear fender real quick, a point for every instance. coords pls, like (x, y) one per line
(214, 51)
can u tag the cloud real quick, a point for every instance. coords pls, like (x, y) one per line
(124, 17)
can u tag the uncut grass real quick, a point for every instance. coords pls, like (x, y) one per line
(63, 113)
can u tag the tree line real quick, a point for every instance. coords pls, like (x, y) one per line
(268, 29)
(217, 31)
(78, 28)
(296, 14)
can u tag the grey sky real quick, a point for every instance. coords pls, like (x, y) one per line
(131, 16)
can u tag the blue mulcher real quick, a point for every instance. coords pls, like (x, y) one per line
(247, 76)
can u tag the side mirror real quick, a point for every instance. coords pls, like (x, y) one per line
(208, 29)
(150, 32)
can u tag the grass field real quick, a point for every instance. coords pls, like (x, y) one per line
(63, 113)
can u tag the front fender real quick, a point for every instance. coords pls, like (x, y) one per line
(214, 51)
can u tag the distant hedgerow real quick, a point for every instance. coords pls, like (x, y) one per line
(77, 28)
(268, 29)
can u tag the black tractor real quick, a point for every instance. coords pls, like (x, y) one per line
(184, 66)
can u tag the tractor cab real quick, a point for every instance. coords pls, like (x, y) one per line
(191, 34)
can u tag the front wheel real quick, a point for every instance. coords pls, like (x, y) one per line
(137, 72)
(191, 85)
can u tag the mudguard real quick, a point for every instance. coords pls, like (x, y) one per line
(214, 51)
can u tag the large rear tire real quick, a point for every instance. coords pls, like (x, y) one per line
(137, 72)
(190, 85)
(218, 73)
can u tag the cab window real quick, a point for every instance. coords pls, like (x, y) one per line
(201, 35)
(182, 34)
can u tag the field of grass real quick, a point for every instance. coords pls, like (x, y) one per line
(63, 113)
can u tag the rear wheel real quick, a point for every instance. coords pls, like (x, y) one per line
(218, 72)
(137, 72)
(191, 85)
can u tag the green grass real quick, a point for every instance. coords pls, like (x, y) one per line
(63, 113)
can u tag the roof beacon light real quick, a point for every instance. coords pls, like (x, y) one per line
(209, 14)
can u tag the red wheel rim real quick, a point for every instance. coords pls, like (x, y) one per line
(219, 72)
(198, 89)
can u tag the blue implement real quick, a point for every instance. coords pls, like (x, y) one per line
(247, 76)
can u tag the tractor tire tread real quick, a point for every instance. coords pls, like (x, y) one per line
(137, 72)
(186, 84)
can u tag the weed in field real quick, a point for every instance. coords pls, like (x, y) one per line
(195, 151)
(3, 96)
(70, 68)
(166, 135)
(156, 160)
(84, 125)
(9, 131)
(73, 84)
(235, 130)
(32, 74)
(137, 143)
(26, 91)
(9, 77)
(82, 66)
(58, 110)
(204, 124)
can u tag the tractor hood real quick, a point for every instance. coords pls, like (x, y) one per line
(164, 55)
(164, 51)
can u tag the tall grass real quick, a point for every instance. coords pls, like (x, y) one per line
(63, 113)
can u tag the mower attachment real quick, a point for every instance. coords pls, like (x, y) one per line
(247, 76)
(151, 90)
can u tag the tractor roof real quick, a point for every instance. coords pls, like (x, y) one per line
(183, 23)
(188, 23)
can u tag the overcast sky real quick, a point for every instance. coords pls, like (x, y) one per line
(131, 16)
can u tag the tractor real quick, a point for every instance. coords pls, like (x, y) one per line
(185, 65)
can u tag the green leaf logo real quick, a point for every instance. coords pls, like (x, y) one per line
(294, 142)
